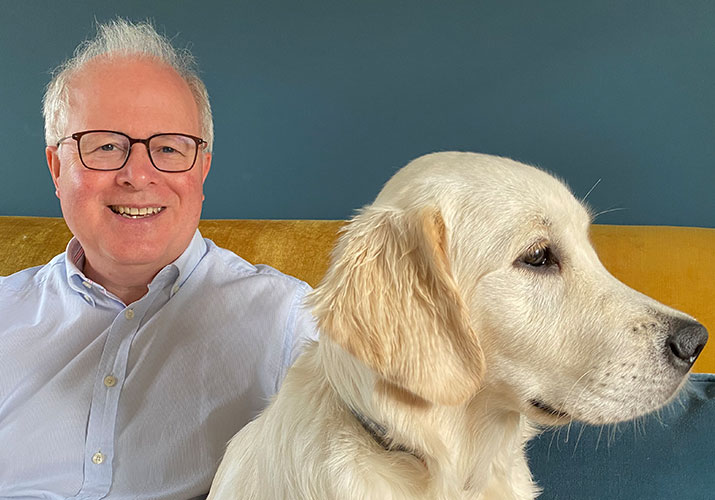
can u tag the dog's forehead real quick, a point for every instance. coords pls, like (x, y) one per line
(489, 185)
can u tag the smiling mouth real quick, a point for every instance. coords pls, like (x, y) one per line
(134, 212)
(548, 409)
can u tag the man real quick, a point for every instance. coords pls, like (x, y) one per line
(128, 362)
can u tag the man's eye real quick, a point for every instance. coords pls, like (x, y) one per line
(167, 150)
(108, 147)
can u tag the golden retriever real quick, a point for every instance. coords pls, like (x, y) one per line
(463, 306)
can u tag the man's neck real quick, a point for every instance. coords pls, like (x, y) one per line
(129, 284)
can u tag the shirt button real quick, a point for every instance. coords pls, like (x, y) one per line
(175, 289)
(110, 381)
(87, 298)
(98, 458)
(87, 284)
(129, 313)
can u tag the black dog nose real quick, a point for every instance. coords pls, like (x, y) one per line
(685, 343)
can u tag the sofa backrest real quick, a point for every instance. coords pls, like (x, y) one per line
(674, 265)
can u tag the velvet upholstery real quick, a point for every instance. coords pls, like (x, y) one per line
(675, 265)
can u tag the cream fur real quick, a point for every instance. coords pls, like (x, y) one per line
(433, 326)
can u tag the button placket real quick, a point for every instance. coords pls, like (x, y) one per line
(99, 446)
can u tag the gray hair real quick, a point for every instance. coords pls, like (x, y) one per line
(122, 37)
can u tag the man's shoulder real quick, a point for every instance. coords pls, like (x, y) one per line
(231, 266)
(33, 277)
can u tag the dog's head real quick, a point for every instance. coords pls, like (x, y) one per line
(474, 273)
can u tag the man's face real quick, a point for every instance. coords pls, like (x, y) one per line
(139, 98)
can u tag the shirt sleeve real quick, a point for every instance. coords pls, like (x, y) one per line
(300, 332)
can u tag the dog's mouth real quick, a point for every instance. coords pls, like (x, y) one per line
(550, 410)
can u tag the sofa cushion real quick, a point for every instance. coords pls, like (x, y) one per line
(666, 455)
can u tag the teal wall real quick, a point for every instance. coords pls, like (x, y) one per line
(317, 103)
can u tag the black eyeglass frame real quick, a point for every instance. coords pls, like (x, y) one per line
(132, 141)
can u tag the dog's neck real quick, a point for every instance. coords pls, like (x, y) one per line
(480, 437)
(379, 433)
(347, 377)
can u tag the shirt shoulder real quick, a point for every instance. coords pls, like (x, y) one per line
(263, 303)
(231, 265)
(33, 277)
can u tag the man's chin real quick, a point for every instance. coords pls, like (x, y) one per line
(143, 254)
(131, 256)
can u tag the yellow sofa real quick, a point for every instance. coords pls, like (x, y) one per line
(674, 265)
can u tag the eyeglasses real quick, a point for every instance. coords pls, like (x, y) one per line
(109, 150)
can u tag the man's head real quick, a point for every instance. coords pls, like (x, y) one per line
(132, 81)
(121, 37)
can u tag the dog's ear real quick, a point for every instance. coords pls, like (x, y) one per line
(389, 298)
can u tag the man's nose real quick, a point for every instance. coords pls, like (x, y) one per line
(138, 171)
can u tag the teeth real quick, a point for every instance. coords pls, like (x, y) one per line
(134, 212)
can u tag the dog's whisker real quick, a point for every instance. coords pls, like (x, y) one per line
(635, 428)
(578, 439)
(642, 422)
(573, 386)
(568, 395)
(600, 433)
(583, 200)
(613, 435)
(608, 211)
(551, 442)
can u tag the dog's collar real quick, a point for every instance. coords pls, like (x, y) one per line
(379, 434)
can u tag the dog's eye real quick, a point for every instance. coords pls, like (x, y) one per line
(539, 256)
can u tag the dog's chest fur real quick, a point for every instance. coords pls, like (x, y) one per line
(323, 452)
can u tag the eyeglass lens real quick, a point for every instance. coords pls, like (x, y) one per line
(108, 151)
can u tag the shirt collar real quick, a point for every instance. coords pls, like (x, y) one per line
(179, 270)
(187, 261)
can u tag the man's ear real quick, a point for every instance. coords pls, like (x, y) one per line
(53, 162)
(389, 298)
(205, 165)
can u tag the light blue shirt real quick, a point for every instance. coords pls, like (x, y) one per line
(99, 399)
